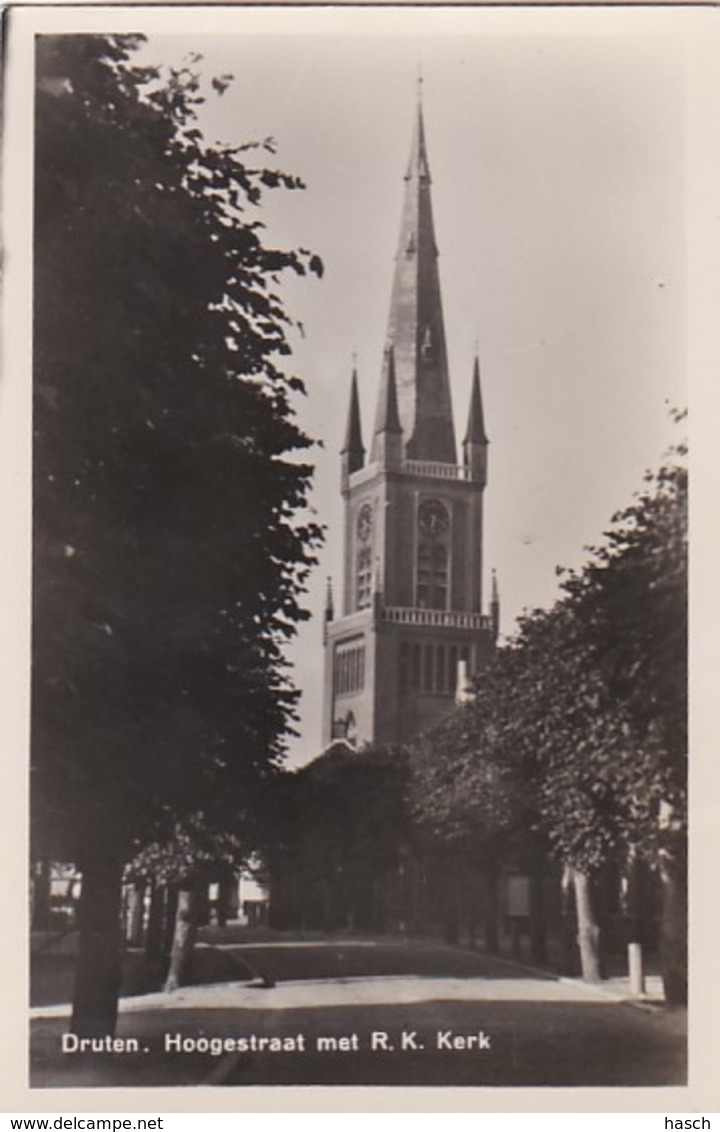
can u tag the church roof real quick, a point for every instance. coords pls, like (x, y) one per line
(416, 328)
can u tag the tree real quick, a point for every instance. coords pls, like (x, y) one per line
(335, 830)
(576, 754)
(184, 865)
(629, 610)
(472, 798)
(603, 701)
(579, 724)
(168, 556)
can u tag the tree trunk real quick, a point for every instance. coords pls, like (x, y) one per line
(472, 928)
(135, 915)
(326, 906)
(224, 901)
(183, 939)
(673, 933)
(588, 936)
(451, 928)
(538, 928)
(632, 902)
(567, 925)
(492, 943)
(41, 917)
(169, 917)
(98, 972)
(516, 937)
(154, 933)
(451, 911)
(378, 903)
(202, 910)
(416, 878)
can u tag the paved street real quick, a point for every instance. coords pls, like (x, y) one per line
(372, 1013)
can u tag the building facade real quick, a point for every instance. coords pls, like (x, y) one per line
(412, 614)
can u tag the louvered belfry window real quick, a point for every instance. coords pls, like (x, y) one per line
(432, 575)
(364, 577)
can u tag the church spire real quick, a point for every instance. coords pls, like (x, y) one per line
(353, 451)
(416, 327)
(418, 164)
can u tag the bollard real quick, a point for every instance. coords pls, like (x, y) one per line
(635, 968)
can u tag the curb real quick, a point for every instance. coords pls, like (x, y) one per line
(568, 980)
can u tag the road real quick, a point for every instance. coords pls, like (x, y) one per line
(352, 1013)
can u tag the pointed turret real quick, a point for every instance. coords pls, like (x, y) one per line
(329, 608)
(329, 601)
(387, 440)
(475, 443)
(495, 606)
(416, 326)
(475, 433)
(353, 451)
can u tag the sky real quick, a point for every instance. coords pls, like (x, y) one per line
(559, 170)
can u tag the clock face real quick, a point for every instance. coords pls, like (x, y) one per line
(364, 521)
(433, 518)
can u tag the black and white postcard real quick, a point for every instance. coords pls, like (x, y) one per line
(356, 359)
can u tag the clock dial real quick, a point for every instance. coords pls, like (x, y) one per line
(364, 522)
(433, 518)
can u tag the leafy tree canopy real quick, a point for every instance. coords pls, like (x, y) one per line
(578, 728)
(345, 810)
(168, 553)
(466, 787)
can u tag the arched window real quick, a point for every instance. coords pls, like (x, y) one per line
(363, 579)
(432, 575)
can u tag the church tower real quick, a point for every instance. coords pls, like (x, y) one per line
(412, 615)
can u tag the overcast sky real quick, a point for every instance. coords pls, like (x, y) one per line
(557, 144)
(558, 166)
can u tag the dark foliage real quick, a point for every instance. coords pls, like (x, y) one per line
(335, 829)
(168, 560)
(578, 727)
